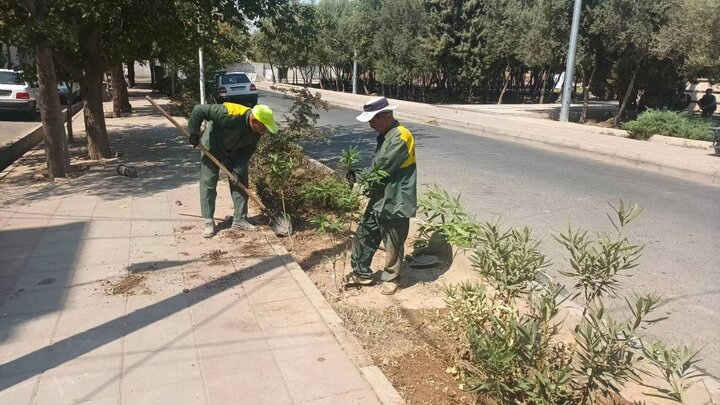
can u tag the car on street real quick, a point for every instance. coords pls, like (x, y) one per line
(63, 92)
(17, 94)
(236, 87)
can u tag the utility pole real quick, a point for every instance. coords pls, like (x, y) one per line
(202, 76)
(570, 67)
(202, 67)
(355, 72)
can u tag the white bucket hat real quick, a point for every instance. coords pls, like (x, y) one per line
(374, 107)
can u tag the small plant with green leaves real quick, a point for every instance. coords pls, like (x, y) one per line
(348, 159)
(509, 259)
(330, 194)
(507, 345)
(333, 227)
(444, 215)
(597, 264)
(676, 365)
(607, 356)
(275, 166)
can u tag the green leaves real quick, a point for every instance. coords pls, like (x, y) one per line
(597, 264)
(506, 329)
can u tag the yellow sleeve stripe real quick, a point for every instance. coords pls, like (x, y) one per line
(235, 109)
(406, 136)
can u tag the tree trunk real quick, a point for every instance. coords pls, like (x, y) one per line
(586, 92)
(56, 147)
(68, 111)
(152, 71)
(9, 56)
(543, 89)
(97, 140)
(504, 89)
(131, 73)
(629, 90)
(272, 73)
(121, 102)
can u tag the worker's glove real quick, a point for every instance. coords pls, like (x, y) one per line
(194, 140)
(351, 177)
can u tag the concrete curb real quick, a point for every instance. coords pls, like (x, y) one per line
(384, 390)
(698, 171)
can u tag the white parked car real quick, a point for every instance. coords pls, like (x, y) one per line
(236, 87)
(16, 94)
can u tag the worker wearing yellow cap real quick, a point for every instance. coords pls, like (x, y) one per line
(232, 135)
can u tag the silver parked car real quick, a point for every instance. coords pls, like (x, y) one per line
(236, 87)
(17, 94)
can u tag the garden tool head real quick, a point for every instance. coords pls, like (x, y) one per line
(280, 224)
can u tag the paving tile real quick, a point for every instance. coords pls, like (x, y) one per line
(89, 259)
(147, 334)
(359, 397)
(23, 302)
(106, 244)
(106, 229)
(269, 290)
(151, 228)
(10, 239)
(11, 267)
(28, 327)
(277, 314)
(261, 268)
(310, 378)
(21, 222)
(80, 385)
(50, 263)
(91, 295)
(307, 340)
(75, 320)
(92, 274)
(18, 389)
(18, 252)
(226, 326)
(85, 346)
(23, 356)
(68, 246)
(186, 390)
(250, 378)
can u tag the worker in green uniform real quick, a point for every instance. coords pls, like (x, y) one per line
(232, 134)
(392, 201)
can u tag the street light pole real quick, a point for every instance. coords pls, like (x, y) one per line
(570, 67)
(202, 76)
(355, 72)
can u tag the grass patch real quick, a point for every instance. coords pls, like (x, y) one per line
(669, 123)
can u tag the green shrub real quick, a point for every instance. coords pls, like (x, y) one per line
(669, 123)
(507, 337)
(331, 194)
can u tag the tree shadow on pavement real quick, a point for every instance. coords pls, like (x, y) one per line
(64, 350)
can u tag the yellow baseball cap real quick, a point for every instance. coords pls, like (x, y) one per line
(264, 114)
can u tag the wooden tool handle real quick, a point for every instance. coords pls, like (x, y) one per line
(207, 153)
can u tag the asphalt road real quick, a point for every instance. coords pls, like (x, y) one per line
(549, 191)
(12, 126)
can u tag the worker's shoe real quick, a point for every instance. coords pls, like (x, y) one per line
(241, 225)
(389, 288)
(354, 279)
(209, 229)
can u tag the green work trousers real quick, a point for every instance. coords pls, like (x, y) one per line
(371, 231)
(209, 175)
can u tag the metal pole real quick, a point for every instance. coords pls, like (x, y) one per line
(355, 72)
(202, 77)
(570, 67)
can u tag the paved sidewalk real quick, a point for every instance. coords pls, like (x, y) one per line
(662, 154)
(111, 296)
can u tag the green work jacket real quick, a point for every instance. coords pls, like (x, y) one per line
(396, 197)
(228, 134)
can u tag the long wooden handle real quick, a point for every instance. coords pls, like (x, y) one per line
(207, 153)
